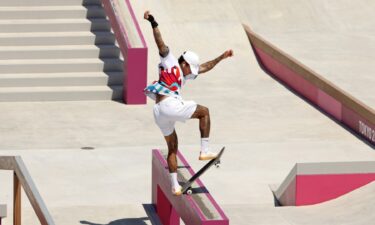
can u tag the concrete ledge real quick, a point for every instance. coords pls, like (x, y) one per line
(312, 183)
(133, 48)
(198, 208)
(321, 92)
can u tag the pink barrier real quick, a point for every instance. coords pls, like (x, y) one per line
(313, 189)
(135, 58)
(316, 89)
(171, 208)
(313, 183)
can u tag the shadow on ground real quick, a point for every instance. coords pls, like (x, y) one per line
(150, 210)
(130, 221)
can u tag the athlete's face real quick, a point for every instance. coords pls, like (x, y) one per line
(185, 68)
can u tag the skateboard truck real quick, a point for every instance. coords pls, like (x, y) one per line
(217, 164)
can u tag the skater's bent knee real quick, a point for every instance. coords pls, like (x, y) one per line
(201, 111)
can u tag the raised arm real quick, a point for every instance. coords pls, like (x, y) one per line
(163, 49)
(207, 66)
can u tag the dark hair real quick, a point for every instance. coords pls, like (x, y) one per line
(181, 59)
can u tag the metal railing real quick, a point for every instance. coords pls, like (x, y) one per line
(22, 178)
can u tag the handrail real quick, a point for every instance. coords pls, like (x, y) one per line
(23, 179)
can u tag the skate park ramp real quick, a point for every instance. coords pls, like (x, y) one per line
(334, 38)
(354, 208)
(265, 127)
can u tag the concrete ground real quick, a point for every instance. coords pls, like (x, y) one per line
(265, 127)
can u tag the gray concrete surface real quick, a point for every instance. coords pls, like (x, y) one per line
(266, 129)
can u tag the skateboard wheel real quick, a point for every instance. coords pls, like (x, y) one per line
(189, 192)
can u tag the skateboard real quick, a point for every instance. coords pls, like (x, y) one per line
(186, 189)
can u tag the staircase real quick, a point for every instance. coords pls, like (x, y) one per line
(57, 50)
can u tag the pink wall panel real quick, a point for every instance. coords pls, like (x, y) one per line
(329, 104)
(313, 189)
(288, 76)
(135, 69)
(167, 214)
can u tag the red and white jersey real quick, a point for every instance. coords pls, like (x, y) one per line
(171, 79)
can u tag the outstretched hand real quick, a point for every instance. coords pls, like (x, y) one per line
(146, 15)
(151, 19)
(228, 53)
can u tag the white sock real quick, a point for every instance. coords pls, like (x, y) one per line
(204, 145)
(174, 180)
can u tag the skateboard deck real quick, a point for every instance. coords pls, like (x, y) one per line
(186, 189)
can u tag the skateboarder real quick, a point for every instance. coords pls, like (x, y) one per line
(169, 106)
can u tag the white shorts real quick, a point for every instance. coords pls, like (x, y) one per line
(170, 110)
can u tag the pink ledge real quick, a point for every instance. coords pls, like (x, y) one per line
(318, 97)
(135, 58)
(171, 208)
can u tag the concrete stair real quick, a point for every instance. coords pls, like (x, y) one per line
(82, 93)
(59, 65)
(49, 2)
(51, 12)
(55, 25)
(58, 50)
(61, 79)
(56, 38)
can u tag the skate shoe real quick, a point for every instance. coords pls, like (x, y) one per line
(207, 156)
(177, 190)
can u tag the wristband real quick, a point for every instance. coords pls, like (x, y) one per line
(154, 24)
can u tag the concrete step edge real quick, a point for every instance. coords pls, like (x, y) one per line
(59, 75)
(43, 8)
(57, 47)
(55, 34)
(59, 89)
(49, 3)
(52, 21)
(59, 61)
